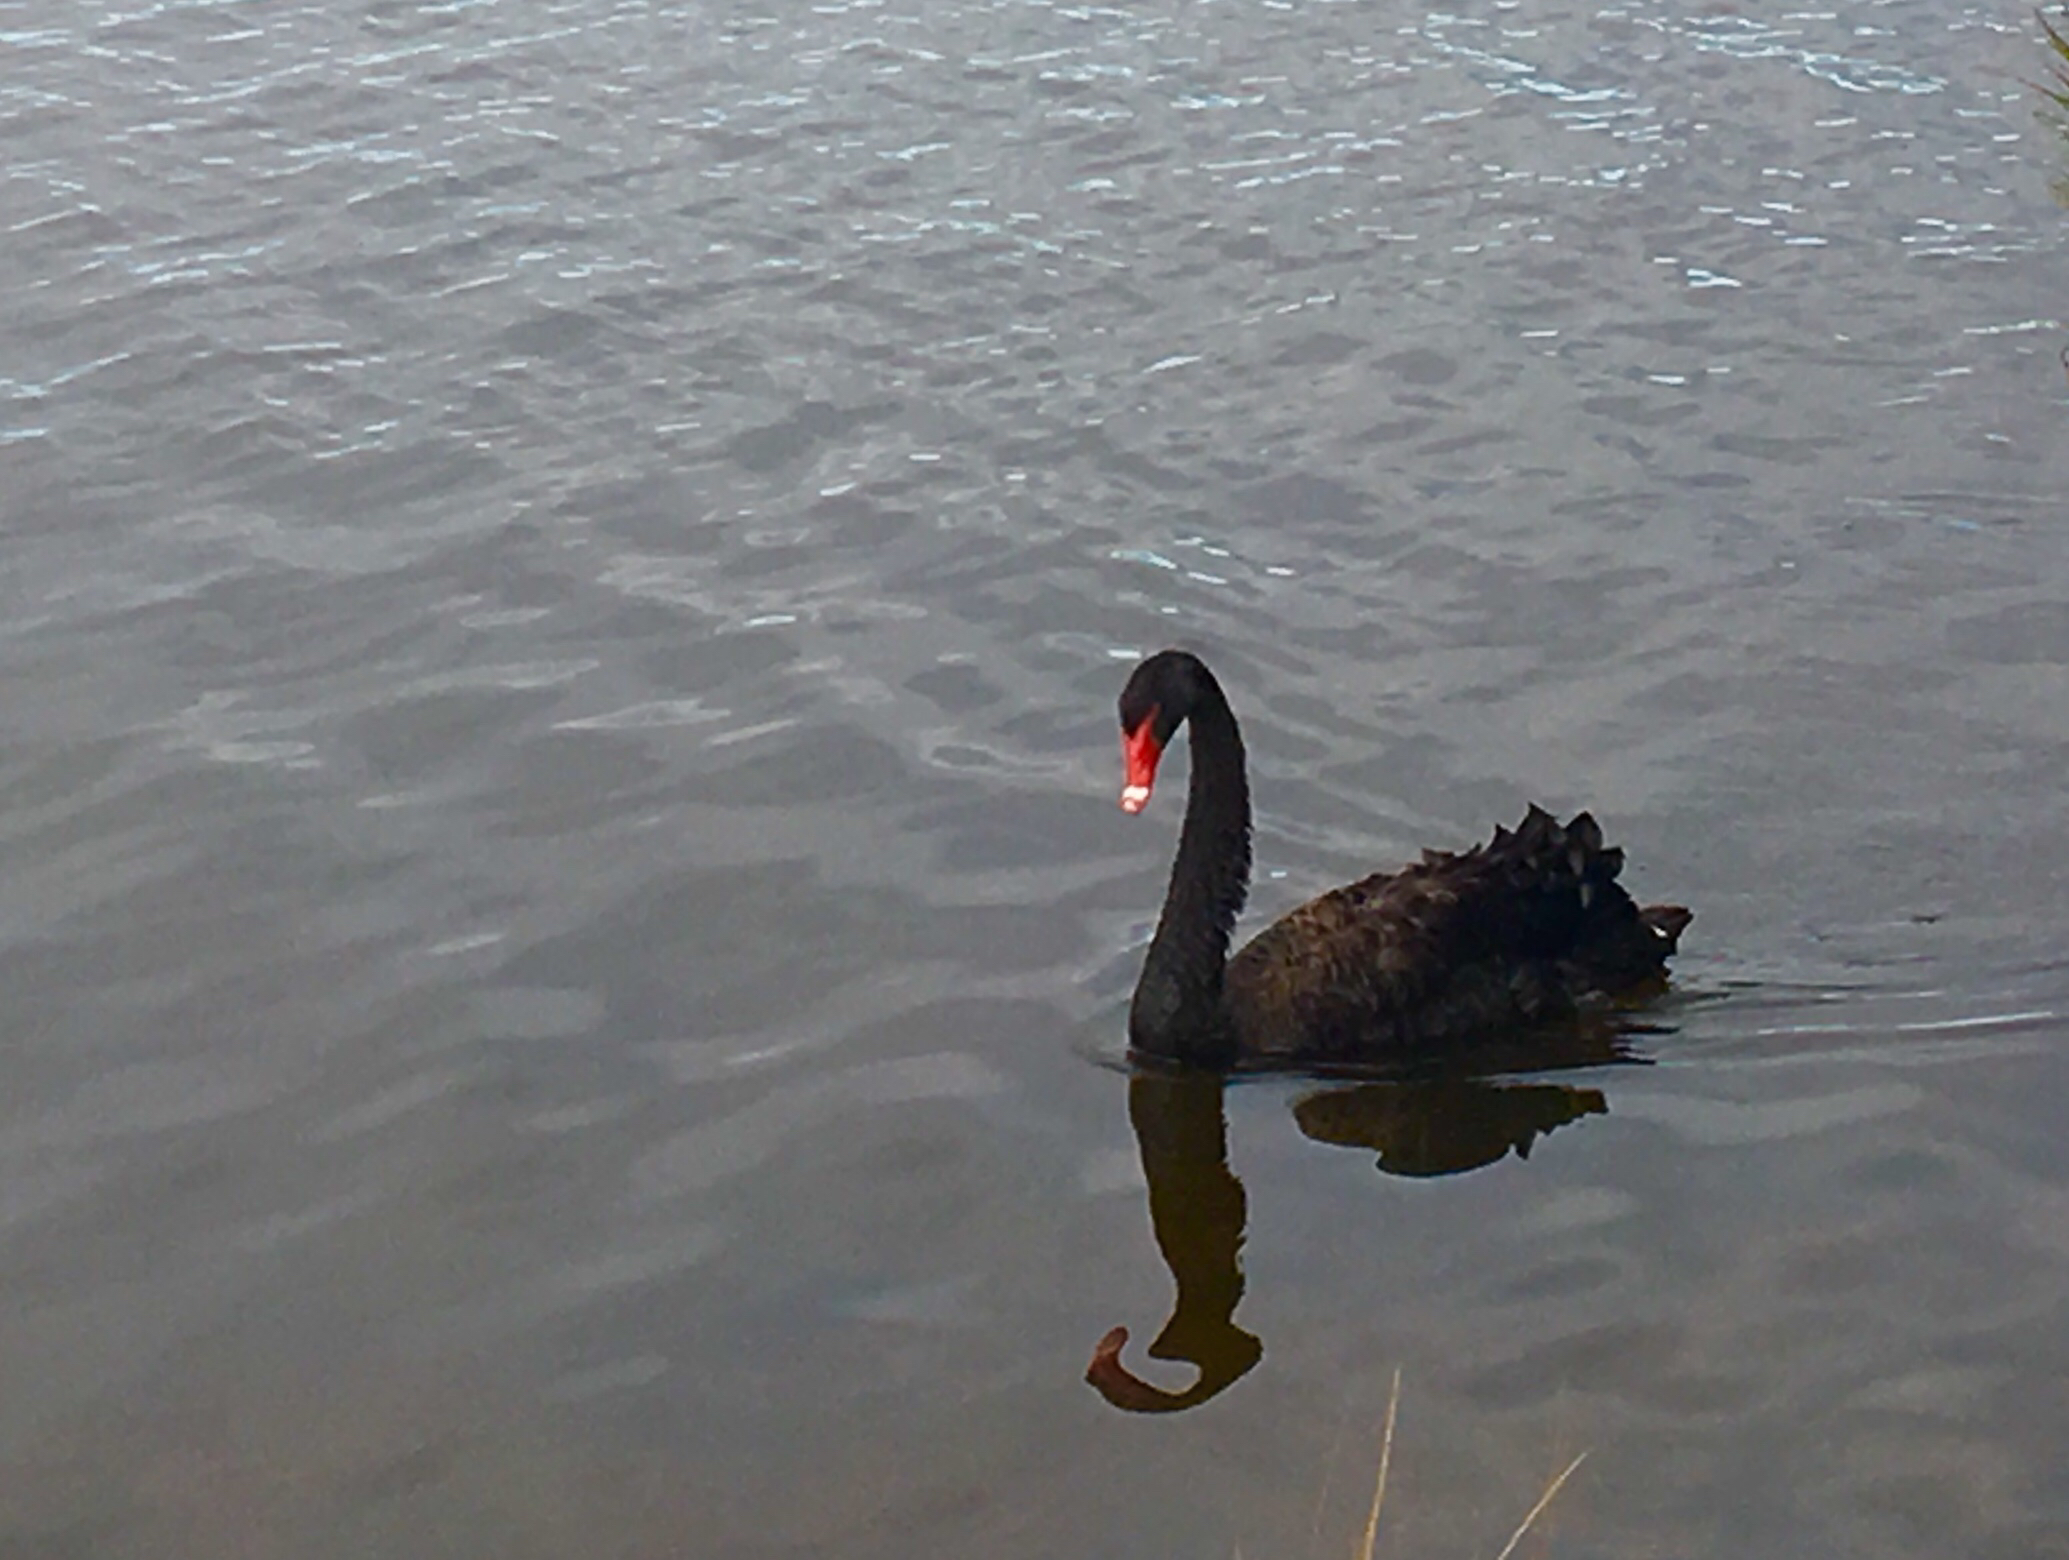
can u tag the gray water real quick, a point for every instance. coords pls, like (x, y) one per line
(565, 931)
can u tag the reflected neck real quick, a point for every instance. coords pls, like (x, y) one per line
(1196, 1208)
(1178, 1013)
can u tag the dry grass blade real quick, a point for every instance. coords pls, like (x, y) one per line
(2055, 88)
(1386, 1456)
(2060, 45)
(1536, 1511)
(1314, 1532)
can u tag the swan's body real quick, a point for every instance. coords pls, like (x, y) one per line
(1397, 968)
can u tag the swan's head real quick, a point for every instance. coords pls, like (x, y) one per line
(1161, 693)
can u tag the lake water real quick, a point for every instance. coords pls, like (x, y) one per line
(566, 933)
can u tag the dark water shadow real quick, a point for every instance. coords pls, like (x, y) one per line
(1443, 1128)
(1432, 1123)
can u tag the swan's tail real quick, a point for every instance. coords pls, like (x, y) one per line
(1668, 922)
(1610, 942)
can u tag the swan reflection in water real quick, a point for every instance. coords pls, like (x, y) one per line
(1427, 1126)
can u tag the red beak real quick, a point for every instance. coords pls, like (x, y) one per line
(1140, 751)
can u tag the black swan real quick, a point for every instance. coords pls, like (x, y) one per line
(1398, 969)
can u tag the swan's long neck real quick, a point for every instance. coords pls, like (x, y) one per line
(1178, 1012)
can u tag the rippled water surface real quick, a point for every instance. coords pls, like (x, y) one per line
(565, 929)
